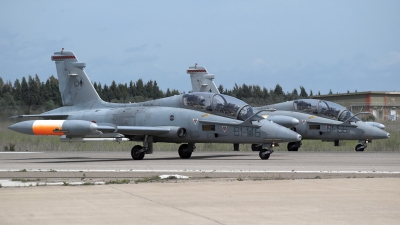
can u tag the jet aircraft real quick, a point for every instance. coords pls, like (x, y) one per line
(312, 118)
(187, 118)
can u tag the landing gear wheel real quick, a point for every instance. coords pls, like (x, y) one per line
(137, 152)
(264, 154)
(360, 148)
(291, 146)
(256, 147)
(183, 151)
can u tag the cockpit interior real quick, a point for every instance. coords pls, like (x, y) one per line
(218, 104)
(325, 109)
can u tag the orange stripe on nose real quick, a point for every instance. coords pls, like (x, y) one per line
(48, 127)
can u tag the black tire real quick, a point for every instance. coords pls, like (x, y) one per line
(359, 148)
(136, 152)
(256, 147)
(291, 147)
(264, 155)
(183, 151)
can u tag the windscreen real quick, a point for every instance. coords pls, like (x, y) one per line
(323, 108)
(218, 104)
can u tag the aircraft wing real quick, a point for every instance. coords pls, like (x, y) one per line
(243, 124)
(44, 116)
(133, 130)
(141, 130)
(331, 124)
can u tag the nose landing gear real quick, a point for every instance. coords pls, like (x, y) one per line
(265, 154)
(361, 146)
(266, 150)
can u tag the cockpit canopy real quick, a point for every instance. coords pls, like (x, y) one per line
(218, 104)
(325, 109)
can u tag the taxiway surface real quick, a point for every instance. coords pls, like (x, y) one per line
(201, 164)
(269, 192)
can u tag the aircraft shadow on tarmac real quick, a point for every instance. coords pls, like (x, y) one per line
(90, 159)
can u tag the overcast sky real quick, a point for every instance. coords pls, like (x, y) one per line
(321, 45)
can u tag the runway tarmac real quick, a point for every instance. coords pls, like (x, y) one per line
(223, 188)
(202, 164)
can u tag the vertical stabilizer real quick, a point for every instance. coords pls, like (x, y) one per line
(75, 86)
(202, 81)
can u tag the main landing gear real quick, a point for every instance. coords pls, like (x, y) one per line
(294, 146)
(138, 151)
(185, 150)
(256, 147)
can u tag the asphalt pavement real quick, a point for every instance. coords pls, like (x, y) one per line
(209, 188)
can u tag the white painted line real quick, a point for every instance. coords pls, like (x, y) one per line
(18, 152)
(206, 171)
(10, 183)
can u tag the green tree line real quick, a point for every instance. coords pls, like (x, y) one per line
(30, 94)
(257, 96)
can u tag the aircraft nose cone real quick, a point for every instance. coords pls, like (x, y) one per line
(288, 135)
(299, 137)
(378, 133)
(385, 134)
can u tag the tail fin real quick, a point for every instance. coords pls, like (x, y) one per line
(202, 81)
(75, 86)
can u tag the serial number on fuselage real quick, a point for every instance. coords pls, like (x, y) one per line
(246, 131)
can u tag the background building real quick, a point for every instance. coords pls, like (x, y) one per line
(382, 105)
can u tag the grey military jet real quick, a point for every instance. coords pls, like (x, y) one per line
(312, 118)
(187, 118)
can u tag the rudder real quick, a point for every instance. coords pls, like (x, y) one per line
(202, 81)
(74, 85)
